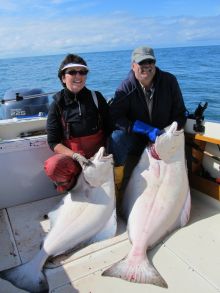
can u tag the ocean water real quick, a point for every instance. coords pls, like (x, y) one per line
(196, 68)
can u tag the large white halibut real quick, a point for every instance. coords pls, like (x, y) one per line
(156, 201)
(86, 213)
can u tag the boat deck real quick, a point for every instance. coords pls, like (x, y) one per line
(189, 259)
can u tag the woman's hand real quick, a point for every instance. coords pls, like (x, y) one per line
(81, 159)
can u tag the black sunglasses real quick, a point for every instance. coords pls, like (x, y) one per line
(74, 72)
(147, 62)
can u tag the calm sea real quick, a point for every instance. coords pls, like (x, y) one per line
(196, 68)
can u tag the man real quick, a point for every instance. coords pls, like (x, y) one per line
(147, 101)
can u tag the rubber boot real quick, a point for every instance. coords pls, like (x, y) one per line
(118, 175)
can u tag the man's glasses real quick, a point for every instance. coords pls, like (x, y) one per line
(145, 66)
(74, 72)
(147, 62)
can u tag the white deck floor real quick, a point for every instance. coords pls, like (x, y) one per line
(189, 259)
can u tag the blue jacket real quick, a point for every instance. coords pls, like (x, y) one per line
(129, 105)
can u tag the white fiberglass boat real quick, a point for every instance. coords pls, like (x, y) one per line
(188, 259)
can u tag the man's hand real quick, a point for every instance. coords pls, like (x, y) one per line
(81, 159)
(144, 128)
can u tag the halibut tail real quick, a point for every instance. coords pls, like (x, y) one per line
(25, 278)
(143, 272)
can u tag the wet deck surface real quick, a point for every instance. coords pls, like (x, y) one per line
(188, 259)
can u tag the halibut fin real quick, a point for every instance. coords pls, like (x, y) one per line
(143, 272)
(24, 278)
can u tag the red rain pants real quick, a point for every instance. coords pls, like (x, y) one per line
(63, 170)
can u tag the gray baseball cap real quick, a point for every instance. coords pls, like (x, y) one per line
(142, 53)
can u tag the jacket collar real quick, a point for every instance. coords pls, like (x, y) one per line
(67, 97)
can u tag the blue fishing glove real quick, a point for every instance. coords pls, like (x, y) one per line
(144, 128)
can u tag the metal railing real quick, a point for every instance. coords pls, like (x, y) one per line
(20, 97)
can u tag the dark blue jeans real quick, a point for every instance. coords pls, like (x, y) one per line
(122, 144)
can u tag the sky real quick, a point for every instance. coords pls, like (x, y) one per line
(49, 27)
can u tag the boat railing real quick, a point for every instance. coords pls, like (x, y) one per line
(20, 97)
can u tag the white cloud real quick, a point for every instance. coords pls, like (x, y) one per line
(120, 31)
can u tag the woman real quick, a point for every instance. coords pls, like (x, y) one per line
(77, 126)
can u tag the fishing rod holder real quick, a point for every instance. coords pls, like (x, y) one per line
(18, 97)
(198, 126)
(199, 117)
